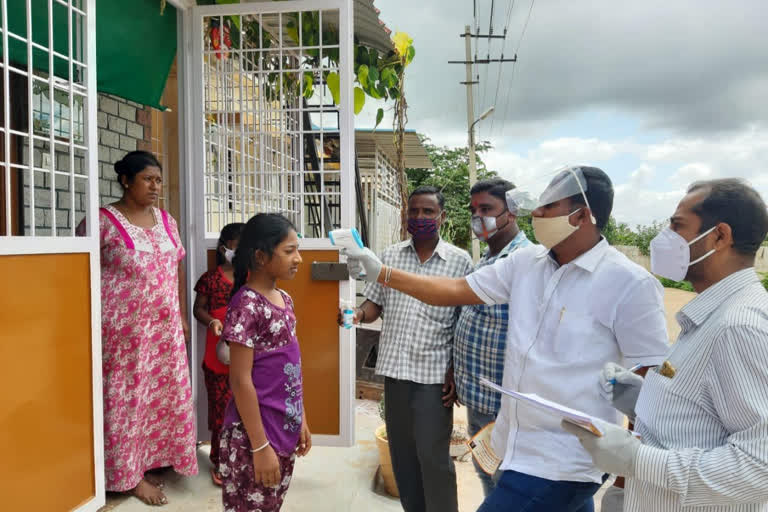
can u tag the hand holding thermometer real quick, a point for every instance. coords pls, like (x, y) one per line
(347, 238)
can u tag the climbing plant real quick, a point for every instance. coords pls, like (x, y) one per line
(377, 75)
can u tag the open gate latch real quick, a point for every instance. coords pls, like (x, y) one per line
(329, 271)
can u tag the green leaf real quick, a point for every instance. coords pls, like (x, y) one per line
(362, 55)
(235, 21)
(388, 77)
(309, 85)
(373, 93)
(381, 89)
(373, 75)
(394, 93)
(359, 100)
(293, 31)
(410, 55)
(333, 85)
(362, 75)
(379, 117)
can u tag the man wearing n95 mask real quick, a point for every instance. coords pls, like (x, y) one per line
(576, 304)
(481, 331)
(703, 415)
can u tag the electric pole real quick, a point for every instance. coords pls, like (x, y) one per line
(471, 121)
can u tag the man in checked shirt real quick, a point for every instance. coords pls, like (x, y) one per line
(415, 357)
(481, 333)
(702, 416)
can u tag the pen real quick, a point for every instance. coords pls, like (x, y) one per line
(633, 369)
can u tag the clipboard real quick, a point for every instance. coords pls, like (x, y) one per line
(574, 416)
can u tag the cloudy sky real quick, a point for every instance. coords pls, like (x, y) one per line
(656, 93)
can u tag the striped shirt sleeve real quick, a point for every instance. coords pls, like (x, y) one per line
(737, 470)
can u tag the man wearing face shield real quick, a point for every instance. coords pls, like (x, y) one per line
(575, 304)
(481, 332)
(702, 415)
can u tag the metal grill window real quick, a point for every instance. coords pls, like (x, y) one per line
(271, 125)
(43, 154)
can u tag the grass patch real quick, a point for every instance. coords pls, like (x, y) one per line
(680, 285)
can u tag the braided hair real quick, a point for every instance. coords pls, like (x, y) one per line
(263, 232)
(228, 233)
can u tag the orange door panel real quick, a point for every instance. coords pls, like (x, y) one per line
(46, 414)
(317, 304)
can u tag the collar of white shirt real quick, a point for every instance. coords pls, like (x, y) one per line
(441, 249)
(704, 304)
(589, 260)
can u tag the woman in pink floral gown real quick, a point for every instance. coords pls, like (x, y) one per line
(148, 411)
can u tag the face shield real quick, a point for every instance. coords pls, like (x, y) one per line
(547, 189)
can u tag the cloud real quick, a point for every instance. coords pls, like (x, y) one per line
(643, 175)
(649, 179)
(685, 66)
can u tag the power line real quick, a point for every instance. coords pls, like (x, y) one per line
(514, 67)
(522, 34)
(501, 70)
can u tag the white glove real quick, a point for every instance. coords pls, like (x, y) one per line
(615, 452)
(362, 261)
(624, 391)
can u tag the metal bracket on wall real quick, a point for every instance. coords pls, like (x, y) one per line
(329, 271)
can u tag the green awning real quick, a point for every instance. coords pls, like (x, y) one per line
(135, 45)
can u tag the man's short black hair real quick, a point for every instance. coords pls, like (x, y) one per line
(429, 190)
(599, 194)
(497, 187)
(734, 202)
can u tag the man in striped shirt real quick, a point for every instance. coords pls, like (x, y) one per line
(702, 416)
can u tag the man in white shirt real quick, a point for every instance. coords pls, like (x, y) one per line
(703, 415)
(575, 303)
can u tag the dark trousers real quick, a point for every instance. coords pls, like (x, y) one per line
(518, 492)
(419, 433)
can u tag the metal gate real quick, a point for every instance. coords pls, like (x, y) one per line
(49, 189)
(272, 131)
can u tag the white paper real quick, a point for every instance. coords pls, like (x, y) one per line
(579, 418)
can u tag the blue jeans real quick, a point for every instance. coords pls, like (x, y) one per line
(518, 492)
(477, 420)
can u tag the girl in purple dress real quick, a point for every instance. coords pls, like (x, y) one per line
(264, 425)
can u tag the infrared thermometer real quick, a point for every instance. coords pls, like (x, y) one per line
(347, 238)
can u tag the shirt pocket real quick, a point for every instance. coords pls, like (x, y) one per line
(572, 335)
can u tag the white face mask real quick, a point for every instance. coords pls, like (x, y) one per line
(229, 254)
(550, 231)
(671, 254)
(485, 228)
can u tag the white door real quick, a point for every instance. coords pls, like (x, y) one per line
(267, 135)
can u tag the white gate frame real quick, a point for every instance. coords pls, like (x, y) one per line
(89, 244)
(191, 71)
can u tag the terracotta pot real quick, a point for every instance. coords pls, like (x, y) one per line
(386, 462)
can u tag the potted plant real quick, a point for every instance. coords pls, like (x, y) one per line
(385, 461)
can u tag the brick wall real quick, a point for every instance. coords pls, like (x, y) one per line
(123, 126)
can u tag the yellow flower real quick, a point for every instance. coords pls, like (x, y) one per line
(402, 42)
